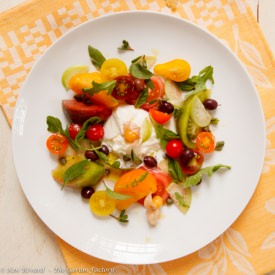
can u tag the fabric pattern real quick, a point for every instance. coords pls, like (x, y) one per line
(248, 246)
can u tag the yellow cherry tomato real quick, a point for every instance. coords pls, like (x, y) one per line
(112, 68)
(157, 201)
(101, 204)
(177, 70)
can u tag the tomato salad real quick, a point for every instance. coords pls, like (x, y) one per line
(176, 134)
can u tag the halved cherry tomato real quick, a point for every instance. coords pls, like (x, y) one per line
(74, 128)
(194, 164)
(112, 68)
(174, 148)
(57, 144)
(101, 204)
(205, 142)
(158, 91)
(124, 87)
(95, 132)
(159, 116)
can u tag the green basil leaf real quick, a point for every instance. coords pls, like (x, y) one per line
(74, 171)
(142, 98)
(175, 170)
(97, 87)
(54, 125)
(219, 145)
(139, 71)
(96, 56)
(114, 195)
(196, 178)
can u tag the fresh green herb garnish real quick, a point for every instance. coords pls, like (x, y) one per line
(142, 98)
(55, 126)
(105, 159)
(81, 134)
(74, 171)
(175, 171)
(97, 87)
(96, 56)
(198, 82)
(196, 178)
(139, 71)
(125, 46)
(180, 200)
(114, 195)
(135, 182)
(164, 134)
(219, 145)
(122, 217)
(214, 121)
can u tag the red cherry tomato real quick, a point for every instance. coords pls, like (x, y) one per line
(57, 144)
(158, 91)
(159, 116)
(124, 87)
(194, 165)
(95, 132)
(205, 142)
(163, 180)
(74, 128)
(174, 148)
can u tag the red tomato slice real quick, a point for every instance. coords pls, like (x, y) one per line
(159, 116)
(158, 91)
(57, 144)
(124, 87)
(205, 142)
(163, 180)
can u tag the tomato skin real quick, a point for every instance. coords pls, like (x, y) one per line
(159, 117)
(158, 91)
(124, 88)
(95, 132)
(57, 144)
(174, 148)
(194, 164)
(112, 68)
(205, 142)
(101, 204)
(74, 128)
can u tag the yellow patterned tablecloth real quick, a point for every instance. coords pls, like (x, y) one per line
(248, 246)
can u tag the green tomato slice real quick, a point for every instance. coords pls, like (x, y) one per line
(199, 114)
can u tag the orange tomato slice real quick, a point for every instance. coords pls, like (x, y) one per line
(135, 183)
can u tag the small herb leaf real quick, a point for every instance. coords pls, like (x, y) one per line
(96, 56)
(196, 178)
(139, 71)
(74, 171)
(114, 195)
(97, 87)
(142, 98)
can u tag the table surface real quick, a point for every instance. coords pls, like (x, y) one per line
(25, 241)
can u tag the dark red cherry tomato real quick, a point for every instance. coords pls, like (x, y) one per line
(124, 87)
(74, 128)
(95, 132)
(174, 148)
(191, 161)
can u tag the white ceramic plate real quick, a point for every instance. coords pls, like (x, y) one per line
(216, 203)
